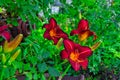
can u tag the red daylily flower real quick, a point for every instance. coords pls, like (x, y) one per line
(53, 31)
(4, 33)
(83, 30)
(76, 54)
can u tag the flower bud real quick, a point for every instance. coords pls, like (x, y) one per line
(96, 45)
(10, 46)
(12, 58)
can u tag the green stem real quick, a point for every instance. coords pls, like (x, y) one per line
(53, 78)
(65, 61)
(43, 77)
(49, 78)
(2, 73)
(66, 70)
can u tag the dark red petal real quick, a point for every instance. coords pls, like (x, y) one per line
(84, 64)
(64, 54)
(68, 44)
(47, 35)
(53, 23)
(62, 34)
(6, 35)
(55, 40)
(84, 51)
(2, 28)
(74, 32)
(46, 26)
(83, 25)
(75, 65)
(93, 33)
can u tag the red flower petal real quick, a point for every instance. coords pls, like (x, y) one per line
(73, 32)
(2, 28)
(53, 31)
(6, 35)
(64, 54)
(83, 25)
(69, 45)
(84, 51)
(85, 34)
(93, 33)
(55, 40)
(47, 35)
(52, 23)
(61, 34)
(84, 64)
(75, 65)
(46, 26)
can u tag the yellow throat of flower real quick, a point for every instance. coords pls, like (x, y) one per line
(83, 36)
(74, 56)
(52, 33)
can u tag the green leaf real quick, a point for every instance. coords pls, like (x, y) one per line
(88, 2)
(8, 73)
(12, 71)
(53, 72)
(13, 79)
(17, 65)
(42, 67)
(43, 77)
(0, 10)
(33, 60)
(35, 76)
(46, 54)
(14, 22)
(25, 52)
(117, 55)
(0, 48)
(27, 66)
(29, 75)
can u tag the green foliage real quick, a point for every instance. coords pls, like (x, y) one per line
(26, 10)
(42, 67)
(40, 56)
(53, 72)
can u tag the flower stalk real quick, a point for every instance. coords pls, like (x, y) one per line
(64, 73)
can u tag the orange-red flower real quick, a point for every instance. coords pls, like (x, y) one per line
(83, 30)
(76, 54)
(53, 31)
(4, 33)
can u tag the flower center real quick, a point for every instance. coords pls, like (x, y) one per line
(74, 55)
(83, 36)
(52, 33)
